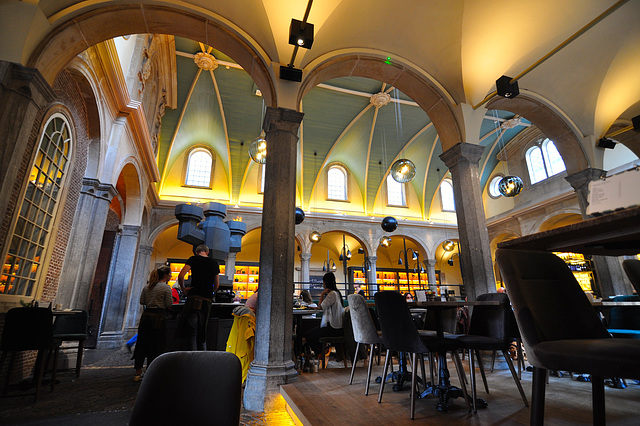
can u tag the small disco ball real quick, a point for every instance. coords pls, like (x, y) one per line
(389, 224)
(299, 215)
(510, 186)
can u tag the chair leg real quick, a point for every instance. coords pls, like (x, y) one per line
(424, 374)
(537, 396)
(484, 377)
(493, 361)
(54, 368)
(79, 357)
(39, 372)
(413, 384)
(12, 360)
(343, 351)
(472, 375)
(353, 365)
(462, 377)
(597, 398)
(520, 357)
(369, 367)
(384, 375)
(515, 377)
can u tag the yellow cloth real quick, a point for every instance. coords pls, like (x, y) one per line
(241, 340)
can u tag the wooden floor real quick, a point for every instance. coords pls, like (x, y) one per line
(325, 398)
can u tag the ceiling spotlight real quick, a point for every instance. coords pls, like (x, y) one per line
(385, 241)
(606, 143)
(315, 236)
(403, 170)
(301, 34)
(636, 123)
(506, 88)
(258, 149)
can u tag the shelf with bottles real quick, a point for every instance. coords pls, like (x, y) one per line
(246, 279)
(581, 268)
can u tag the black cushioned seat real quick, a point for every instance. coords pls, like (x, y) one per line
(632, 269)
(72, 327)
(560, 329)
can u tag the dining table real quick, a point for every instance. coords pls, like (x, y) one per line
(443, 389)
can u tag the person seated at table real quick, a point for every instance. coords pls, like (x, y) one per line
(332, 307)
(306, 299)
(409, 297)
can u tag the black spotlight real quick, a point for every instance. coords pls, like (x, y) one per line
(606, 143)
(299, 215)
(636, 123)
(301, 34)
(290, 73)
(507, 89)
(389, 224)
(450, 262)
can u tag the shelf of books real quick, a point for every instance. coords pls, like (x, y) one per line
(394, 279)
(245, 278)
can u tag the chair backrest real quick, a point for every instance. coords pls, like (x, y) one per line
(364, 330)
(491, 321)
(399, 332)
(632, 269)
(72, 326)
(547, 300)
(449, 319)
(27, 329)
(189, 388)
(625, 317)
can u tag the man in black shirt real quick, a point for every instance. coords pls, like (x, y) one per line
(204, 282)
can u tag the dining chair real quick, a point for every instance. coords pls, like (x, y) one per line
(205, 388)
(338, 342)
(560, 329)
(400, 334)
(624, 321)
(632, 269)
(364, 332)
(27, 329)
(489, 331)
(71, 327)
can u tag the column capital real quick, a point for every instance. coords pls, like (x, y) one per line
(145, 250)
(372, 258)
(582, 179)
(462, 151)
(96, 189)
(282, 119)
(129, 230)
(305, 256)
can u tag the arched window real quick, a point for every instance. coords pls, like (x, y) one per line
(36, 216)
(199, 168)
(337, 183)
(543, 161)
(446, 196)
(395, 192)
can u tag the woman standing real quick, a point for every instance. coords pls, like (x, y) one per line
(156, 299)
(331, 324)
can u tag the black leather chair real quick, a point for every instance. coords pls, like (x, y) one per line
(28, 329)
(489, 330)
(560, 329)
(632, 269)
(190, 388)
(364, 332)
(338, 342)
(400, 334)
(624, 321)
(71, 327)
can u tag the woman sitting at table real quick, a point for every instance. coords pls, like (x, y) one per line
(331, 324)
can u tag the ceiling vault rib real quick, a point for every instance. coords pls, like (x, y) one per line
(426, 214)
(175, 133)
(226, 134)
(366, 170)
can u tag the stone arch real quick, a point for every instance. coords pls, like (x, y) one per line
(557, 219)
(552, 124)
(77, 33)
(411, 82)
(129, 188)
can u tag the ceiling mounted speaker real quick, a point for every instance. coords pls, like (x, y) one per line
(290, 73)
(636, 123)
(506, 88)
(606, 143)
(301, 34)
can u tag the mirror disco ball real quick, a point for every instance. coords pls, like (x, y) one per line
(389, 224)
(510, 186)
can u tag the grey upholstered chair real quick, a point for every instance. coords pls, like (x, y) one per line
(560, 329)
(205, 388)
(632, 269)
(364, 332)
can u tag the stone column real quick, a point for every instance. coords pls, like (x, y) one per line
(305, 263)
(372, 281)
(118, 285)
(83, 249)
(140, 279)
(230, 265)
(24, 94)
(272, 365)
(475, 252)
(431, 271)
(609, 279)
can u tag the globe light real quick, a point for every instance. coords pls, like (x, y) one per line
(315, 236)
(510, 186)
(389, 224)
(403, 170)
(448, 245)
(299, 215)
(385, 241)
(258, 149)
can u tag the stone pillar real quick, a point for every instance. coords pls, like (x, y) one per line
(272, 365)
(475, 251)
(140, 279)
(609, 279)
(24, 94)
(305, 263)
(372, 281)
(118, 285)
(230, 265)
(83, 249)
(431, 271)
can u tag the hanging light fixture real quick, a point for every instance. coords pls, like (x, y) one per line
(403, 170)
(258, 149)
(509, 186)
(315, 236)
(448, 245)
(385, 241)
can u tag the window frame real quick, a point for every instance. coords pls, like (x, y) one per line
(442, 203)
(542, 146)
(194, 150)
(403, 191)
(345, 173)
